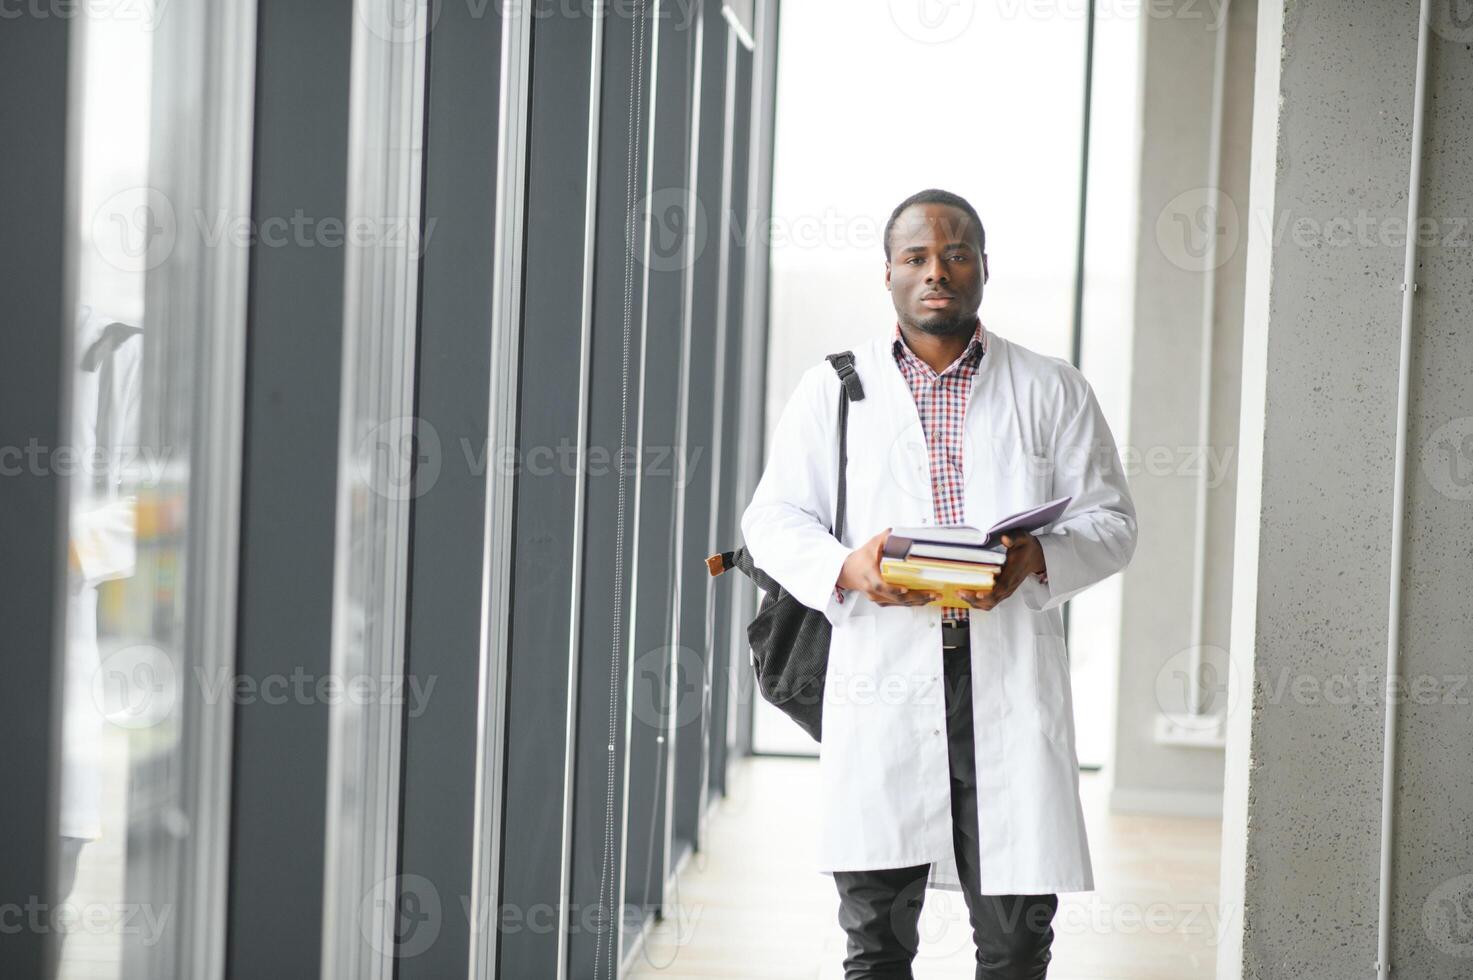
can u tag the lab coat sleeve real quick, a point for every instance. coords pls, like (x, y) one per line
(786, 525)
(103, 540)
(104, 524)
(1096, 537)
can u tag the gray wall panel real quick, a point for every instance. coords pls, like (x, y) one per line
(289, 490)
(546, 496)
(444, 633)
(35, 400)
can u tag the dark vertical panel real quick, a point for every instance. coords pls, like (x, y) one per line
(293, 364)
(546, 493)
(35, 409)
(442, 651)
(663, 265)
(691, 758)
(609, 504)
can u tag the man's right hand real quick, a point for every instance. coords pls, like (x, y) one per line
(861, 573)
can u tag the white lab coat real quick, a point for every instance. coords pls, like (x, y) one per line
(1033, 432)
(102, 528)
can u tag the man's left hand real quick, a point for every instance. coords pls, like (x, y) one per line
(1024, 558)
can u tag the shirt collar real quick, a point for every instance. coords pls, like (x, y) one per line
(976, 348)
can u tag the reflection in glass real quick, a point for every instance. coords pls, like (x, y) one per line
(120, 726)
(156, 366)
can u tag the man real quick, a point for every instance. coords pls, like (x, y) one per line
(101, 547)
(948, 754)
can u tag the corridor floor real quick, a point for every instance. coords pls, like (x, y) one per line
(751, 906)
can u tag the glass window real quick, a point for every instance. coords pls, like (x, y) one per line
(157, 310)
(1003, 131)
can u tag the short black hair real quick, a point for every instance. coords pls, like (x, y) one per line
(934, 195)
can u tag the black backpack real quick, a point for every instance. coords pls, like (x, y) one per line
(790, 641)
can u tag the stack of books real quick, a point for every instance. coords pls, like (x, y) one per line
(945, 557)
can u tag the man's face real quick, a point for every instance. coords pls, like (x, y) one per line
(935, 271)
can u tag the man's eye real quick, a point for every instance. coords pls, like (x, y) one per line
(958, 257)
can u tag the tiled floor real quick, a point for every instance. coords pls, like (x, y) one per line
(752, 907)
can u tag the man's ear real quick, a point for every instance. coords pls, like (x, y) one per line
(887, 273)
(984, 269)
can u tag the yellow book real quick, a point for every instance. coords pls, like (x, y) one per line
(943, 577)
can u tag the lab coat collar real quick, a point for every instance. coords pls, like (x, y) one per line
(882, 363)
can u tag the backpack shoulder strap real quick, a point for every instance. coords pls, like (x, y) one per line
(850, 389)
(843, 364)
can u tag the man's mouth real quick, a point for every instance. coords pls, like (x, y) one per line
(937, 301)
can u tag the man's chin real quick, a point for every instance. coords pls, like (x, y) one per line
(943, 325)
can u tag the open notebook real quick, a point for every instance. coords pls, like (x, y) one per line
(946, 557)
(962, 542)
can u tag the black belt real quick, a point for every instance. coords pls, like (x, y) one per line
(956, 635)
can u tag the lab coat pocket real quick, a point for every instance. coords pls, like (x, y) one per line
(853, 638)
(1051, 686)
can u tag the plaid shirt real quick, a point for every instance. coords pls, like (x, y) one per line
(941, 401)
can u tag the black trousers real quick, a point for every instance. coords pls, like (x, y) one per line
(880, 910)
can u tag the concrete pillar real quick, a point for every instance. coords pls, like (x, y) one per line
(1302, 811)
